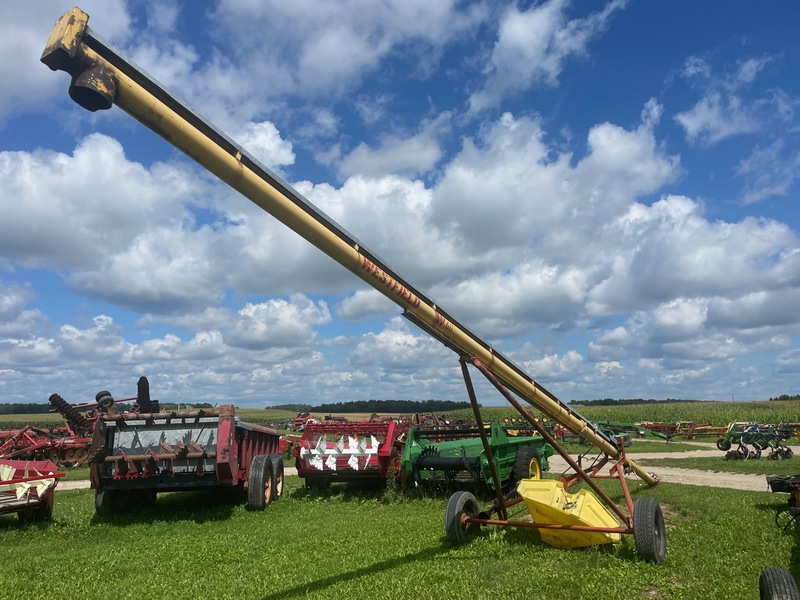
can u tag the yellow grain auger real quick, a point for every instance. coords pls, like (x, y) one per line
(102, 77)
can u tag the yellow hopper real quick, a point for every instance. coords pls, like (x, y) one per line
(549, 503)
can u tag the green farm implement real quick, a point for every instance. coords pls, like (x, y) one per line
(751, 439)
(454, 455)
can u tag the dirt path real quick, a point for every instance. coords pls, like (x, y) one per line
(721, 479)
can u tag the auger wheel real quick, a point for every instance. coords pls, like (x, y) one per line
(460, 507)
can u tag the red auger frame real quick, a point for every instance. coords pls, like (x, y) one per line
(558, 523)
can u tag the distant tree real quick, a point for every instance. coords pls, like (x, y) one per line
(297, 408)
(391, 406)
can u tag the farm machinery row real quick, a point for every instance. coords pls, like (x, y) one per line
(418, 454)
(140, 451)
(751, 439)
(66, 445)
(138, 454)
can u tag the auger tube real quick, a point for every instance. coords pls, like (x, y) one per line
(102, 77)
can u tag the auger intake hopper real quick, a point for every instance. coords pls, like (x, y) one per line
(549, 503)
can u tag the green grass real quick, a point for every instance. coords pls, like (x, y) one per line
(345, 545)
(761, 466)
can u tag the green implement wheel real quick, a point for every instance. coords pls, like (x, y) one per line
(527, 464)
(649, 533)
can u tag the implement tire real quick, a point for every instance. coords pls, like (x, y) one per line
(723, 444)
(260, 483)
(460, 506)
(777, 584)
(277, 474)
(109, 502)
(649, 533)
(37, 515)
(527, 464)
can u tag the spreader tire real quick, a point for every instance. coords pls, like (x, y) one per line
(723, 444)
(649, 534)
(777, 584)
(527, 464)
(277, 474)
(260, 488)
(461, 505)
(105, 502)
(37, 515)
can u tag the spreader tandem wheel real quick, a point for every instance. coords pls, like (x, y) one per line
(261, 485)
(461, 506)
(649, 534)
(277, 471)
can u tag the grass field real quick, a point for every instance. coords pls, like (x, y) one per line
(344, 545)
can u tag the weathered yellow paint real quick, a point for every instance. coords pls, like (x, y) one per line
(66, 37)
(69, 53)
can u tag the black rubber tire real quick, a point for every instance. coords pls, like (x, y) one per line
(37, 515)
(777, 584)
(109, 502)
(649, 533)
(260, 488)
(723, 444)
(461, 504)
(527, 464)
(314, 484)
(144, 498)
(277, 475)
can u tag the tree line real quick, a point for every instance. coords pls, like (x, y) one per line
(34, 408)
(378, 406)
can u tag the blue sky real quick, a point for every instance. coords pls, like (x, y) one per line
(606, 192)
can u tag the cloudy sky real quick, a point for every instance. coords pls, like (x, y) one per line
(606, 192)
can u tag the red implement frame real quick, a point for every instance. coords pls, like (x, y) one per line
(387, 434)
(31, 506)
